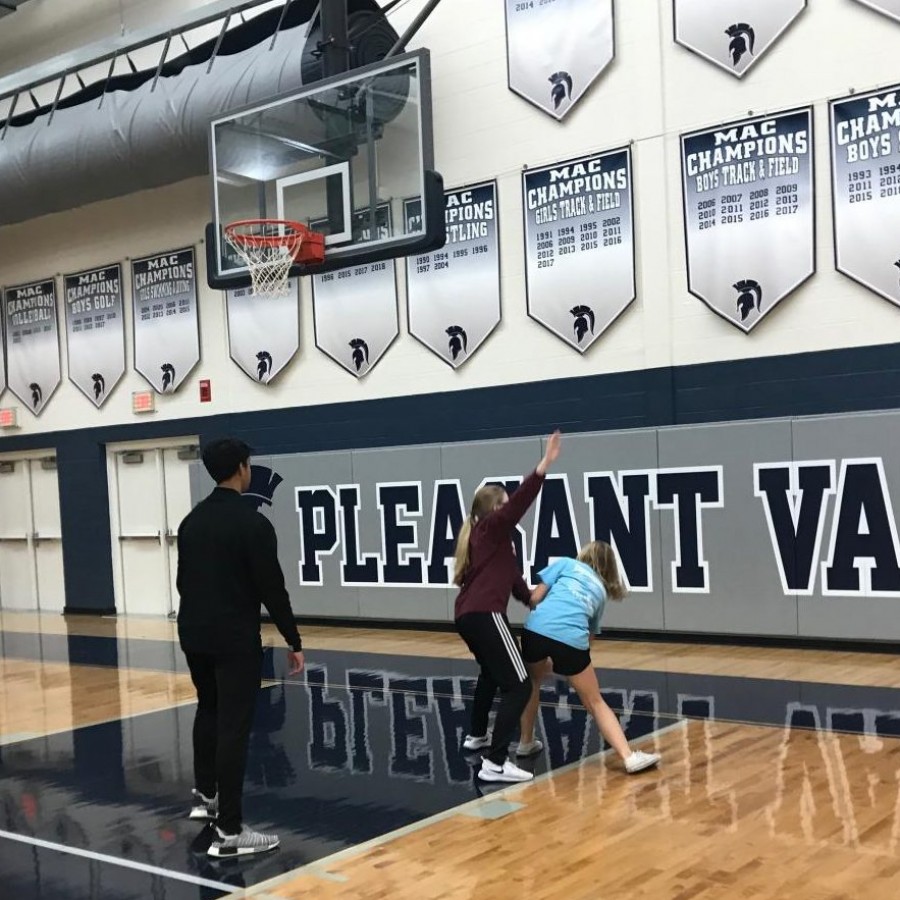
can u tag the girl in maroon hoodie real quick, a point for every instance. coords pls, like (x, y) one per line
(487, 573)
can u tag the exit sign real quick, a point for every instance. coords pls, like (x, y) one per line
(143, 402)
(9, 417)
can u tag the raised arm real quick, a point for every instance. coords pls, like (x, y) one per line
(507, 516)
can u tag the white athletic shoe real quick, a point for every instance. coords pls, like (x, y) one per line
(475, 743)
(203, 808)
(531, 749)
(638, 761)
(507, 772)
(243, 844)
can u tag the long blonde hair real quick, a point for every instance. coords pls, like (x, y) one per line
(601, 558)
(486, 499)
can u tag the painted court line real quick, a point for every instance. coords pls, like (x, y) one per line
(115, 861)
(319, 868)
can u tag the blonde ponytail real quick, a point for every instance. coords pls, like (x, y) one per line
(487, 499)
(462, 552)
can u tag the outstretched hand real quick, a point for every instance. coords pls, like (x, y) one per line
(551, 454)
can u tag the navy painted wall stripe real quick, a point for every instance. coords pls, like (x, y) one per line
(834, 381)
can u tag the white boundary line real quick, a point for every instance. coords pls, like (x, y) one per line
(319, 868)
(116, 861)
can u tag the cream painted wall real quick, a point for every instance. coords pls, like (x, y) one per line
(653, 91)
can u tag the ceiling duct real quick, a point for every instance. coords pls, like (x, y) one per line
(150, 128)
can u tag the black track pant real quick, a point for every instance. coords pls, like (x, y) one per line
(227, 688)
(495, 649)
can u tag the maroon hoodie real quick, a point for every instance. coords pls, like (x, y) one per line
(493, 573)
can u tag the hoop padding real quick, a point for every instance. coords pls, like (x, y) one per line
(270, 248)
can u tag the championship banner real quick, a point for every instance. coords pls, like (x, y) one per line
(263, 333)
(556, 50)
(579, 245)
(865, 168)
(889, 8)
(355, 309)
(95, 331)
(749, 207)
(453, 294)
(733, 34)
(166, 326)
(32, 343)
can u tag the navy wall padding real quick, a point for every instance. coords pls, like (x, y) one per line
(820, 383)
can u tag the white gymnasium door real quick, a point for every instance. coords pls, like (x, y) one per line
(149, 496)
(31, 561)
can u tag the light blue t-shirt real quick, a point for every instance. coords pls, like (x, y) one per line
(572, 609)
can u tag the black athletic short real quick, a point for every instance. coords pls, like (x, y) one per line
(566, 660)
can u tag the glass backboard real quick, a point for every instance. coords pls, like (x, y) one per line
(332, 156)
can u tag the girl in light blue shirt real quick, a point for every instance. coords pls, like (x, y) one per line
(568, 605)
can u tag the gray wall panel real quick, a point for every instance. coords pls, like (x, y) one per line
(327, 470)
(627, 451)
(744, 593)
(416, 465)
(857, 437)
(743, 538)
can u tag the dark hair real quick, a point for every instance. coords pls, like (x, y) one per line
(224, 457)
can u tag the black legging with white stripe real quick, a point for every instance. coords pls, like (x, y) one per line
(497, 653)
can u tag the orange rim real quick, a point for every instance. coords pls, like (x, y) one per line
(295, 233)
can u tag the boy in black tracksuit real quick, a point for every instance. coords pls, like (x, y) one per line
(228, 566)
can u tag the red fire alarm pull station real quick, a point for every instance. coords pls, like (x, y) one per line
(205, 391)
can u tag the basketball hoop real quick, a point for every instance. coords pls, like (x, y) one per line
(270, 247)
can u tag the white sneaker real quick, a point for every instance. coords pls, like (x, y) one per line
(202, 807)
(509, 771)
(243, 844)
(638, 761)
(475, 743)
(531, 749)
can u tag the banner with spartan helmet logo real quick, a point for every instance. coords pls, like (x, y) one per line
(263, 332)
(889, 8)
(865, 167)
(32, 343)
(95, 331)
(166, 321)
(556, 49)
(733, 34)
(355, 309)
(749, 208)
(453, 294)
(579, 245)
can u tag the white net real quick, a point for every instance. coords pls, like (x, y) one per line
(269, 262)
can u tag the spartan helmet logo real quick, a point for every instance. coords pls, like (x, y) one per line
(584, 321)
(37, 395)
(562, 88)
(459, 340)
(263, 483)
(742, 40)
(99, 385)
(749, 297)
(360, 353)
(168, 371)
(263, 365)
